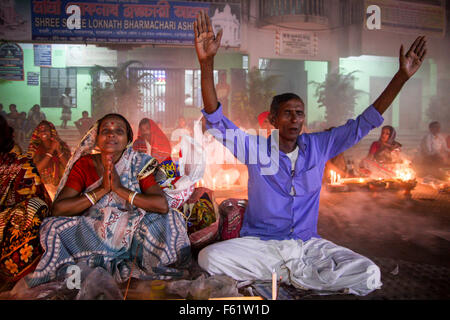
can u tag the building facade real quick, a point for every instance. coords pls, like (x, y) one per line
(299, 42)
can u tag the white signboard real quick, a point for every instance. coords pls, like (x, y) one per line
(291, 43)
(88, 56)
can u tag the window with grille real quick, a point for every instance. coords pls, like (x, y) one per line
(153, 91)
(54, 81)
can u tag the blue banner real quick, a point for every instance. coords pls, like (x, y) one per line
(42, 55)
(138, 21)
(32, 78)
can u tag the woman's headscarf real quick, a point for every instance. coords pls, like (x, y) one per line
(87, 146)
(161, 148)
(55, 168)
(391, 140)
(35, 141)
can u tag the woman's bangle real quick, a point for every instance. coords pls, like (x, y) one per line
(49, 154)
(89, 196)
(131, 197)
(92, 193)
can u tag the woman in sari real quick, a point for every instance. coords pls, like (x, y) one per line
(24, 203)
(383, 155)
(112, 212)
(385, 148)
(50, 154)
(152, 140)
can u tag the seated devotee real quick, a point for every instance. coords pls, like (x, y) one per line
(35, 116)
(24, 203)
(279, 231)
(435, 151)
(84, 123)
(12, 116)
(152, 140)
(385, 149)
(111, 212)
(50, 154)
(383, 155)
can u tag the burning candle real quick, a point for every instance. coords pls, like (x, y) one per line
(227, 178)
(274, 285)
(214, 183)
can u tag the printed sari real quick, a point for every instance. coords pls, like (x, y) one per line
(24, 203)
(51, 175)
(126, 241)
(383, 157)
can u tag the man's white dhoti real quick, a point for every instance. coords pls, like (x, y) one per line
(316, 264)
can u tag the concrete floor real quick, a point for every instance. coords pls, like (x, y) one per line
(408, 238)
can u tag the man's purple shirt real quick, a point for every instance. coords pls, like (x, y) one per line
(272, 212)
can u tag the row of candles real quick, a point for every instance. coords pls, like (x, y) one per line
(201, 183)
(335, 179)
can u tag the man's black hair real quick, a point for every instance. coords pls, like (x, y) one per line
(278, 100)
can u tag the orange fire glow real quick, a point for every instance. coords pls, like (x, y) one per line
(404, 172)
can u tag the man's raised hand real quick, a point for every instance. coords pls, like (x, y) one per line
(412, 60)
(206, 43)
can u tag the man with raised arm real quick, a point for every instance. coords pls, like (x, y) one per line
(279, 232)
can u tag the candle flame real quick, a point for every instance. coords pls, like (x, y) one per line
(404, 172)
(335, 178)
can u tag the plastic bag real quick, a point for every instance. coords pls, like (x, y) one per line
(99, 285)
(204, 288)
(192, 167)
(95, 283)
(46, 291)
